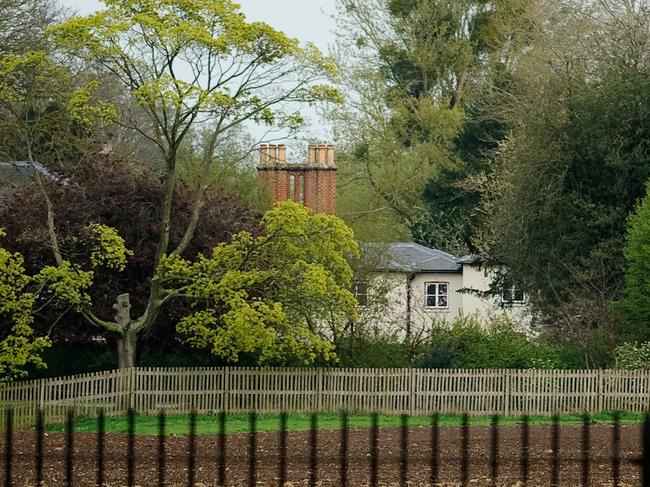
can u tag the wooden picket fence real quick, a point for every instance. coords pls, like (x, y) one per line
(306, 390)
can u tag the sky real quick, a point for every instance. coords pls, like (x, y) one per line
(306, 20)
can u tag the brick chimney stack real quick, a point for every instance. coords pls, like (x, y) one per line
(312, 183)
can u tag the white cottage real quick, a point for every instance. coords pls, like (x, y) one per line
(412, 286)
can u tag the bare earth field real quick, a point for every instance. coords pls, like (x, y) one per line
(328, 466)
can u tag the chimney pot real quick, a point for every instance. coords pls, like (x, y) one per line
(312, 154)
(322, 154)
(264, 154)
(282, 154)
(330, 155)
(273, 153)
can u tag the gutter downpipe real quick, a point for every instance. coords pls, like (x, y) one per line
(409, 279)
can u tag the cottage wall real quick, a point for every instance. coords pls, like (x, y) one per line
(401, 290)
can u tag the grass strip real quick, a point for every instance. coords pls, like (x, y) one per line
(207, 424)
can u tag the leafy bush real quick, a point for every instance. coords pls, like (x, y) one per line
(466, 343)
(635, 305)
(373, 348)
(632, 356)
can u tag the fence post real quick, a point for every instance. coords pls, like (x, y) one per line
(226, 389)
(601, 391)
(132, 382)
(506, 399)
(412, 401)
(319, 396)
(41, 394)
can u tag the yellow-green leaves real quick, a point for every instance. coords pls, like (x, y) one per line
(85, 111)
(199, 60)
(279, 296)
(19, 348)
(66, 283)
(108, 248)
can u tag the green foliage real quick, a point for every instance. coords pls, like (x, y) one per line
(632, 356)
(64, 359)
(635, 306)
(46, 113)
(66, 283)
(239, 71)
(69, 283)
(415, 130)
(466, 343)
(572, 168)
(278, 295)
(19, 348)
(107, 248)
(145, 44)
(373, 348)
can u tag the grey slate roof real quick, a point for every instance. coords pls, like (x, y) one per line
(16, 174)
(412, 257)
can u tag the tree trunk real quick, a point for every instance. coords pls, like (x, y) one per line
(126, 346)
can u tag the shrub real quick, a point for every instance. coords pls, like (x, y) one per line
(466, 343)
(373, 348)
(632, 356)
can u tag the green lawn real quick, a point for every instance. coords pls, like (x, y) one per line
(239, 423)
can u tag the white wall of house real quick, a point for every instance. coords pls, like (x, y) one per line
(423, 316)
(389, 303)
(476, 279)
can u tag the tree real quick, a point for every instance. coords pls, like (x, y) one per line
(635, 304)
(188, 64)
(23, 24)
(572, 166)
(282, 295)
(414, 70)
(18, 346)
(123, 196)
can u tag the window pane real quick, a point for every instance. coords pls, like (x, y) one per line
(442, 289)
(442, 302)
(302, 189)
(361, 292)
(431, 301)
(292, 187)
(431, 289)
(518, 294)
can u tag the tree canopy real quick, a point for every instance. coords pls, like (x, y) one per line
(283, 295)
(189, 67)
(19, 347)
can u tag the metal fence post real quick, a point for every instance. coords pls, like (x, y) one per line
(601, 391)
(226, 389)
(506, 398)
(412, 384)
(132, 380)
(319, 396)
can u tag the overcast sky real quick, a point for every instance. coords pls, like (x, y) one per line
(306, 20)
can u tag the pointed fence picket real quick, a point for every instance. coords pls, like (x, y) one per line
(306, 390)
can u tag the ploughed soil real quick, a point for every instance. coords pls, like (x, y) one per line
(328, 467)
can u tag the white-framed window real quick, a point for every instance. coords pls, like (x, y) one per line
(360, 291)
(512, 293)
(436, 295)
